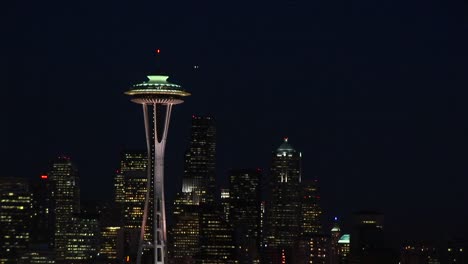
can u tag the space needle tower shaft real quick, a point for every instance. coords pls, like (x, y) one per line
(157, 97)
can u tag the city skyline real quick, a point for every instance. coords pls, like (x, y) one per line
(372, 94)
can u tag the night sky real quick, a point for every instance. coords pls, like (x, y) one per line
(373, 93)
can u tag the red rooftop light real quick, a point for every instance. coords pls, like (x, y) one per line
(44, 177)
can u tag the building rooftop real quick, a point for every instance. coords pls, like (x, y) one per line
(345, 239)
(285, 147)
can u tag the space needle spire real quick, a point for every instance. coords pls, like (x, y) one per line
(157, 97)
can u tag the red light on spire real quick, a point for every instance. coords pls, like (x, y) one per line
(158, 51)
(44, 177)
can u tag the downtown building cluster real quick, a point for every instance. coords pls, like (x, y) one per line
(270, 216)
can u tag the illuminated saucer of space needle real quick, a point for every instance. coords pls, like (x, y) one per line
(157, 90)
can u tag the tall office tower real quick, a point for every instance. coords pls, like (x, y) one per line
(185, 234)
(130, 188)
(311, 210)
(157, 96)
(344, 248)
(334, 246)
(15, 212)
(64, 176)
(83, 239)
(43, 213)
(245, 201)
(198, 190)
(284, 209)
(200, 160)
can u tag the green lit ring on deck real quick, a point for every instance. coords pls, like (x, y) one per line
(157, 85)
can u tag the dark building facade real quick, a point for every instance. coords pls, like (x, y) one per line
(43, 208)
(244, 215)
(367, 240)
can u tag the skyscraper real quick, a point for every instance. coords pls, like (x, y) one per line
(311, 210)
(198, 190)
(63, 174)
(82, 239)
(284, 209)
(43, 213)
(245, 202)
(157, 96)
(334, 245)
(15, 216)
(130, 188)
(200, 160)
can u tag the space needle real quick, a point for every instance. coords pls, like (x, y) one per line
(157, 96)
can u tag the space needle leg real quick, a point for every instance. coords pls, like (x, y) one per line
(160, 231)
(148, 184)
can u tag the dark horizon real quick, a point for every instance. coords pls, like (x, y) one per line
(373, 95)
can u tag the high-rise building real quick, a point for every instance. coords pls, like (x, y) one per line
(201, 233)
(200, 160)
(334, 245)
(63, 174)
(130, 188)
(43, 212)
(311, 211)
(82, 239)
(15, 217)
(185, 234)
(284, 209)
(245, 202)
(157, 96)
